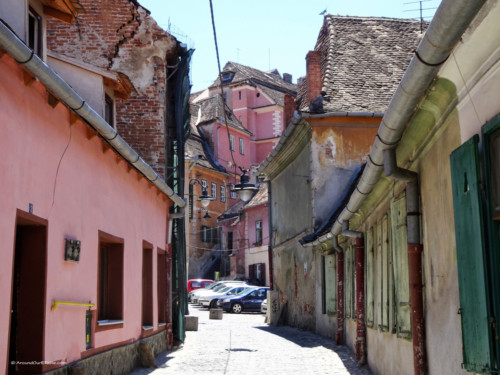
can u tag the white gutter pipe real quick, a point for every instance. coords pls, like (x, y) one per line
(450, 21)
(57, 86)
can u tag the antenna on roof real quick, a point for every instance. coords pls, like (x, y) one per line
(323, 12)
(421, 9)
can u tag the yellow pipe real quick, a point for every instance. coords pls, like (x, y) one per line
(71, 304)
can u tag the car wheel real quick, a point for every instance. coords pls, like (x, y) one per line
(236, 308)
(213, 304)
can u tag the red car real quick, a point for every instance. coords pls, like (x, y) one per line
(198, 283)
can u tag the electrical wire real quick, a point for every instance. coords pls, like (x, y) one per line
(221, 86)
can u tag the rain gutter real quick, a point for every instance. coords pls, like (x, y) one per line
(57, 86)
(450, 21)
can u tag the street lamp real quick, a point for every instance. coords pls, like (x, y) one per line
(204, 197)
(244, 189)
(207, 216)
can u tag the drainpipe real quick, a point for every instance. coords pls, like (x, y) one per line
(270, 234)
(339, 335)
(360, 349)
(414, 256)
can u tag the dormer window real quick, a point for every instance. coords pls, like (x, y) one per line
(35, 32)
(227, 77)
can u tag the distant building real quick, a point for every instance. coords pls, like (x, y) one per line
(237, 127)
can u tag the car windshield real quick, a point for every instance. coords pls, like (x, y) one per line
(246, 291)
(219, 288)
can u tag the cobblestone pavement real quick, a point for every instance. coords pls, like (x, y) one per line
(244, 344)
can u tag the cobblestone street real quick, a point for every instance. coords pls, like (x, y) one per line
(244, 344)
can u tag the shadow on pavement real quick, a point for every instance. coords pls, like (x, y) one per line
(308, 339)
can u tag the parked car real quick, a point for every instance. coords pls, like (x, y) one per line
(210, 299)
(263, 306)
(198, 284)
(194, 295)
(249, 300)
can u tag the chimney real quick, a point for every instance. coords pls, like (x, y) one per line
(313, 75)
(287, 77)
(288, 110)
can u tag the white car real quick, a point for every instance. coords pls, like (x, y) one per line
(196, 294)
(210, 299)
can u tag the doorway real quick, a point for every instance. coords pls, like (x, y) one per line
(28, 296)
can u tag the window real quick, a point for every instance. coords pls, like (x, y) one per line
(258, 232)
(329, 284)
(231, 142)
(233, 193)
(147, 286)
(222, 193)
(227, 77)
(213, 191)
(35, 32)
(215, 235)
(348, 282)
(206, 234)
(230, 240)
(239, 95)
(242, 146)
(109, 110)
(385, 282)
(204, 185)
(110, 284)
(477, 228)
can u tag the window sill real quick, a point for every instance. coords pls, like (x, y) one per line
(109, 322)
(162, 324)
(147, 328)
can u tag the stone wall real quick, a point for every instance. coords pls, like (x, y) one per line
(121, 360)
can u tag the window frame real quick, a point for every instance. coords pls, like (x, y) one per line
(37, 43)
(242, 146)
(213, 190)
(231, 142)
(223, 193)
(258, 233)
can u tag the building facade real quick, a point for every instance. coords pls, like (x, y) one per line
(86, 229)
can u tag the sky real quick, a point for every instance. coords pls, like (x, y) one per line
(263, 34)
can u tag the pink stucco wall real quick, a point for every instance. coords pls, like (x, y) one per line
(80, 189)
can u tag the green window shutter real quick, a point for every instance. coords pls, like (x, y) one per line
(370, 278)
(400, 267)
(331, 284)
(385, 284)
(470, 244)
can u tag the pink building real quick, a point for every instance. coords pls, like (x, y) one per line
(84, 221)
(239, 131)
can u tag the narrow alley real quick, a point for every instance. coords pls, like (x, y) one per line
(245, 344)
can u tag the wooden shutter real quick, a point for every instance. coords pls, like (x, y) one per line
(470, 245)
(370, 264)
(331, 284)
(400, 267)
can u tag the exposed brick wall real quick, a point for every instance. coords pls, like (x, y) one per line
(121, 36)
(313, 75)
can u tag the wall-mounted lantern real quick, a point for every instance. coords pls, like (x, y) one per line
(244, 189)
(72, 250)
(204, 197)
(207, 216)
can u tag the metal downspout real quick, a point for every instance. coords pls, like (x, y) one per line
(339, 335)
(414, 257)
(360, 348)
(270, 235)
(57, 86)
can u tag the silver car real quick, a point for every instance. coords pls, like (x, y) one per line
(210, 300)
